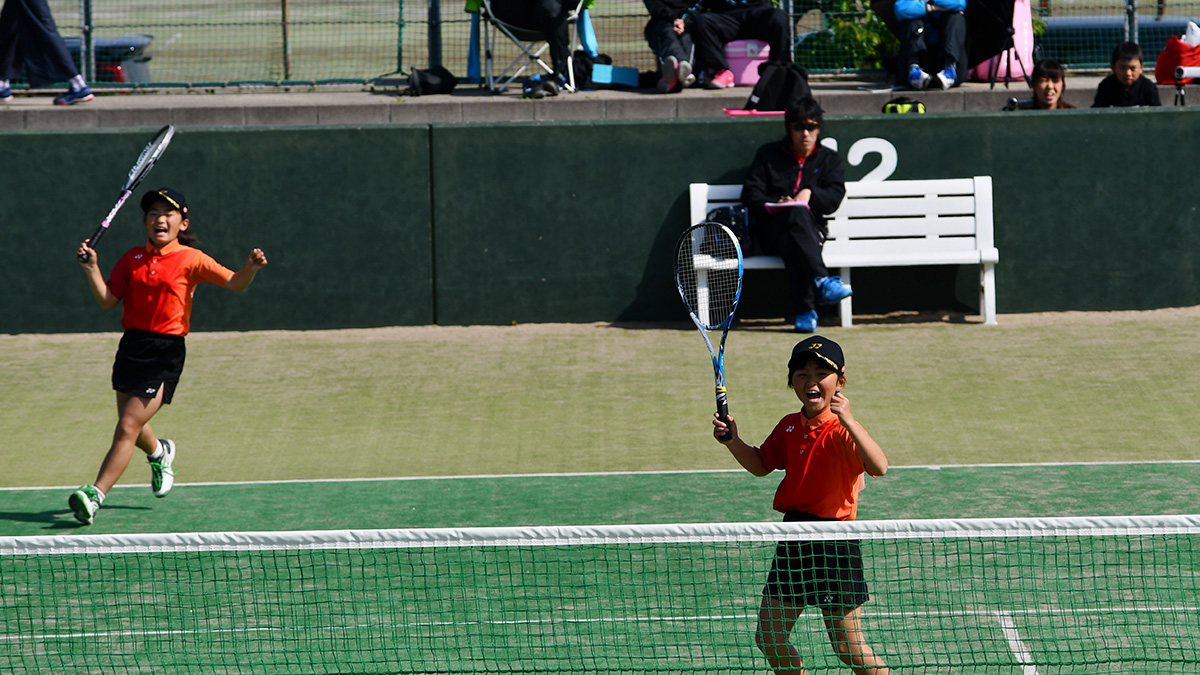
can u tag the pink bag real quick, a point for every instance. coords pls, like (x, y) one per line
(1023, 41)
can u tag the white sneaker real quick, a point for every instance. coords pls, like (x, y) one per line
(162, 473)
(85, 502)
(685, 74)
(917, 78)
(947, 78)
(669, 75)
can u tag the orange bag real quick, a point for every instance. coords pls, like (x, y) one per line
(1176, 53)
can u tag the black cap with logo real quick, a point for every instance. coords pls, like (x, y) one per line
(825, 351)
(174, 197)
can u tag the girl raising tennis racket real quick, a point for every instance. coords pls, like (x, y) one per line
(156, 283)
(824, 453)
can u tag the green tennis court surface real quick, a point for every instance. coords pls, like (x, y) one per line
(618, 498)
(600, 608)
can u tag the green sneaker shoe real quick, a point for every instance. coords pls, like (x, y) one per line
(162, 474)
(85, 502)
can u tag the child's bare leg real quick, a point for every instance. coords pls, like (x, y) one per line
(845, 634)
(133, 430)
(775, 622)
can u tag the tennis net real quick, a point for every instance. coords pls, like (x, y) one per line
(1022, 596)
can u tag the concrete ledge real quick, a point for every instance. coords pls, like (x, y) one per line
(469, 103)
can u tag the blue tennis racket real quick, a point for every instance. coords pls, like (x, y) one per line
(708, 274)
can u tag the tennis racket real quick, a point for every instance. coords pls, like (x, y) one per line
(708, 274)
(140, 169)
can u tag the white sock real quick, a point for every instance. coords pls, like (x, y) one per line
(157, 454)
(101, 493)
(77, 83)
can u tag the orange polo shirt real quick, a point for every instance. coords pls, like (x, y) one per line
(156, 286)
(822, 467)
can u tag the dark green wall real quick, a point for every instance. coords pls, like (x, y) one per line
(462, 224)
(343, 216)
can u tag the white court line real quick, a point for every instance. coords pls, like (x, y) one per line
(926, 467)
(1016, 644)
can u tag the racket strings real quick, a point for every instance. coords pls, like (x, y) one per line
(708, 272)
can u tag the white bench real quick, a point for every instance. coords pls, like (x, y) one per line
(895, 223)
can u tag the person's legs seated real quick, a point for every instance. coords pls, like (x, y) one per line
(952, 32)
(712, 31)
(912, 53)
(674, 54)
(795, 236)
(769, 24)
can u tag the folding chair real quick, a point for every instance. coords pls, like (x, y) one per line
(531, 44)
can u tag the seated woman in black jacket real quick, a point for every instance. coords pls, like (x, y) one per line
(792, 185)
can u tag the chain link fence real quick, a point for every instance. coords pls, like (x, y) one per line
(214, 43)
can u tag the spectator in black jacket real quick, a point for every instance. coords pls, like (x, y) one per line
(791, 187)
(716, 22)
(1126, 87)
(668, 38)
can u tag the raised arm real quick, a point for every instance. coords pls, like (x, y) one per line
(90, 263)
(873, 457)
(255, 261)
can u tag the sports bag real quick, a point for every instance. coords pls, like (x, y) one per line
(737, 219)
(436, 80)
(778, 85)
(903, 104)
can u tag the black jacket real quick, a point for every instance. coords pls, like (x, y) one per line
(1110, 93)
(777, 173)
(667, 10)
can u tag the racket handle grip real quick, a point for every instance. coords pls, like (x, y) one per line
(723, 414)
(95, 239)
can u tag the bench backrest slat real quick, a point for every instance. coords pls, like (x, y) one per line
(835, 248)
(904, 206)
(876, 228)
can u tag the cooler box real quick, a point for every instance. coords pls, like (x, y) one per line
(744, 57)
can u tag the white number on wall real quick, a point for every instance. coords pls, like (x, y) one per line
(867, 146)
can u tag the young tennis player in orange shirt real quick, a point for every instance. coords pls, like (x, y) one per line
(156, 283)
(824, 453)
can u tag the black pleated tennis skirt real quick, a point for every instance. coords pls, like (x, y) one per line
(817, 573)
(147, 362)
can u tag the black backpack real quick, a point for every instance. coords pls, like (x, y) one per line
(903, 105)
(778, 85)
(436, 80)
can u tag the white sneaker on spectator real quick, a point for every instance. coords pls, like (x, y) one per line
(685, 74)
(670, 75)
(917, 78)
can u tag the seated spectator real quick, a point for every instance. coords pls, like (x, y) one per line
(549, 17)
(791, 187)
(1049, 82)
(716, 22)
(1126, 87)
(933, 39)
(667, 35)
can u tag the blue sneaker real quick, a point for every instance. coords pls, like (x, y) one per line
(73, 96)
(831, 290)
(5, 95)
(806, 322)
(917, 78)
(948, 77)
